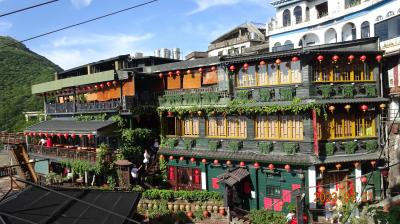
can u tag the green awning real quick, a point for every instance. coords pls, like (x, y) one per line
(73, 81)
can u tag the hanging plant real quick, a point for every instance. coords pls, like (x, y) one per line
(213, 145)
(326, 91)
(243, 95)
(348, 90)
(171, 143)
(192, 98)
(210, 97)
(350, 147)
(329, 148)
(371, 145)
(265, 94)
(265, 147)
(290, 148)
(188, 144)
(287, 94)
(370, 90)
(235, 146)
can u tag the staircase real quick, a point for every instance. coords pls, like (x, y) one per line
(152, 169)
(239, 216)
(24, 169)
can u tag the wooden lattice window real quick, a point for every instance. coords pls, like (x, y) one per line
(191, 126)
(231, 127)
(247, 77)
(288, 127)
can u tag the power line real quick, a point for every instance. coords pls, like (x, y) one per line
(29, 7)
(81, 23)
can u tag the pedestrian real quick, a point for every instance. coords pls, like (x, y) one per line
(289, 216)
(154, 149)
(146, 158)
(134, 174)
(328, 212)
(42, 143)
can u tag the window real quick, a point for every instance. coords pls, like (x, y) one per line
(379, 18)
(247, 77)
(171, 126)
(365, 33)
(307, 14)
(342, 71)
(231, 127)
(389, 14)
(298, 14)
(191, 126)
(286, 18)
(322, 9)
(274, 191)
(388, 29)
(352, 3)
(262, 75)
(342, 125)
(349, 32)
(287, 127)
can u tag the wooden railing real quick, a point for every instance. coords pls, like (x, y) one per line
(11, 138)
(199, 90)
(7, 171)
(63, 153)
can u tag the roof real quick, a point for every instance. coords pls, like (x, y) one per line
(186, 64)
(234, 176)
(95, 63)
(352, 100)
(71, 126)
(40, 206)
(247, 25)
(123, 162)
(349, 158)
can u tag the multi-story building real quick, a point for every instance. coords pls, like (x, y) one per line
(239, 40)
(266, 128)
(81, 101)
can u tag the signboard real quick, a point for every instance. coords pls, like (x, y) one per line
(42, 167)
(315, 128)
(391, 45)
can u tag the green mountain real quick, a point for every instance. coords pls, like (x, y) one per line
(19, 69)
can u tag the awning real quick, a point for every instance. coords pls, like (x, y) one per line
(234, 176)
(40, 206)
(349, 158)
(76, 127)
(354, 100)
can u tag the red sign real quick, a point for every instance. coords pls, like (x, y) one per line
(315, 128)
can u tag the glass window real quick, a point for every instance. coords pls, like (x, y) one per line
(288, 127)
(231, 127)
(298, 14)
(296, 72)
(272, 74)
(262, 75)
(216, 127)
(191, 126)
(365, 30)
(286, 18)
(284, 71)
(237, 127)
(171, 126)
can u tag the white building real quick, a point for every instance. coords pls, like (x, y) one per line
(237, 40)
(305, 22)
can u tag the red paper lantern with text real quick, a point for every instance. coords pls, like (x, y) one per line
(335, 58)
(204, 161)
(101, 86)
(52, 134)
(320, 58)
(189, 72)
(200, 70)
(115, 83)
(287, 168)
(170, 74)
(181, 158)
(232, 68)
(26, 133)
(242, 164)
(245, 66)
(40, 134)
(170, 114)
(216, 162)
(364, 108)
(193, 160)
(256, 165)
(171, 158)
(295, 59)
(351, 58)
(66, 135)
(228, 163)
(178, 73)
(73, 135)
(271, 167)
(363, 58)
(213, 68)
(96, 86)
(378, 58)
(373, 163)
(59, 135)
(90, 136)
(108, 84)
(262, 63)
(80, 136)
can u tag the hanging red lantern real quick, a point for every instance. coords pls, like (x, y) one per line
(160, 75)
(373, 163)
(278, 61)
(170, 114)
(351, 58)
(335, 58)
(245, 66)
(262, 63)
(347, 107)
(320, 189)
(189, 72)
(170, 74)
(364, 179)
(96, 86)
(114, 83)
(101, 86)
(178, 73)
(162, 157)
(281, 203)
(363, 58)
(364, 107)
(320, 58)
(216, 162)
(322, 169)
(379, 58)
(242, 164)
(193, 160)
(108, 84)
(88, 88)
(26, 133)
(385, 172)
(59, 135)
(213, 68)
(73, 135)
(171, 157)
(52, 134)
(256, 165)
(200, 70)
(271, 167)
(295, 59)
(80, 136)
(228, 163)
(204, 161)
(40, 134)
(338, 166)
(90, 136)
(232, 68)
(66, 135)
(287, 168)
(331, 108)
(181, 158)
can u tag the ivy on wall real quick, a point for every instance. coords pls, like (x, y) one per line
(287, 94)
(350, 147)
(265, 94)
(371, 145)
(348, 90)
(235, 146)
(265, 147)
(243, 95)
(213, 145)
(329, 148)
(188, 144)
(290, 148)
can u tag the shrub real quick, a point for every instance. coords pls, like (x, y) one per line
(212, 97)
(266, 216)
(235, 146)
(350, 147)
(242, 95)
(348, 90)
(265, 147)
(265, 95)
(171, 143)
(329, 148)
(326, 91)
(370, 90)
(213, 145)
(290, 148)
(287, 94)
(188, 144)
(171, 195)
(371, 145)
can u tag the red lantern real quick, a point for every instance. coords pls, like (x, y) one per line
(351, 58)
(379, 58)
(245, 66)
(90, 136)
(181, 158)
(287, 168)
(281, 203)
(160, 75)
(96, 86)
(200, 70)
(108, 84)
(213, 68)
(373, 163)
(162, 157)
(101, 86)
(66, 135)
(364, 108)
(171, 157)
(88, 87)
(232, 68)
(335, 58)
(170, 114)
(204, 161)
(73, 136)
(262, 63)
(242, 164)
(256, 165)
(363, 58)
(278, 61)
(228, 163)
(295, 59)
(40, 134)
(320, 58)
(364, 179)
(197, 176)
(171, 173)
(271, 167)
(189, 72)
(80, 136)
(193, 160)
(26, 133)
(216, 162)
(178, 73)
(320, 189)
(59, 135)
(338, 166)
(114, 83)
(52, 134)
(170, 74)
(331, 108)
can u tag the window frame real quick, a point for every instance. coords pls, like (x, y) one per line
(225, 126)
(192, 131)
(276, 123)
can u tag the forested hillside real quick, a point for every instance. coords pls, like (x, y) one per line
(19, 69)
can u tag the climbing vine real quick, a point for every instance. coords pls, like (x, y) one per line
(265, 94)
(326, 91)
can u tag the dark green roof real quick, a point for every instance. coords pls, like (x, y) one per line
(201, 62)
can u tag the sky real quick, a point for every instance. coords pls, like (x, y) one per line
(187, 24)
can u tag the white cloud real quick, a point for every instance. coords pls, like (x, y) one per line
(5, 26)
(80, 3)
(72, 51)
(206, 4)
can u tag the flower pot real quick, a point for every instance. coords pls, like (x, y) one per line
(170, 207)
(189, 214)
(215, 209)
(222, 211)
(209, 208)
(182, 207)
(176, 207)
(188, 208)
(149, 206)
(206, 214)
(197, 208)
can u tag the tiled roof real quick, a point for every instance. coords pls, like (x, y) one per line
(348, 158)
(233, 176)
(186, 64)
(77, 127)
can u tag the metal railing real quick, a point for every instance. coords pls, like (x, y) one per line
(63, 153)
(185, 91)
(98, 106)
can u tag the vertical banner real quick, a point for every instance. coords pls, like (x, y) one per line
(315, 128)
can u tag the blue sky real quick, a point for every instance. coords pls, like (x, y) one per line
(187, 24)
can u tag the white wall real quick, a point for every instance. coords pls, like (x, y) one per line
(226, 49)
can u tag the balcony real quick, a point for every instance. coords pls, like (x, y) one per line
(61, 153)
(186, 97)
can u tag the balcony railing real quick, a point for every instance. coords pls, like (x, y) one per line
(98, 106)
(185, 97)
(11, 138)
(232, 42)
(63, 153)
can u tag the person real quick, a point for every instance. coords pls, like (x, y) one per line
(146, 158)
(42, 142)
(154, 149)
(328, 212)
(134, 174)
(290, 216)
